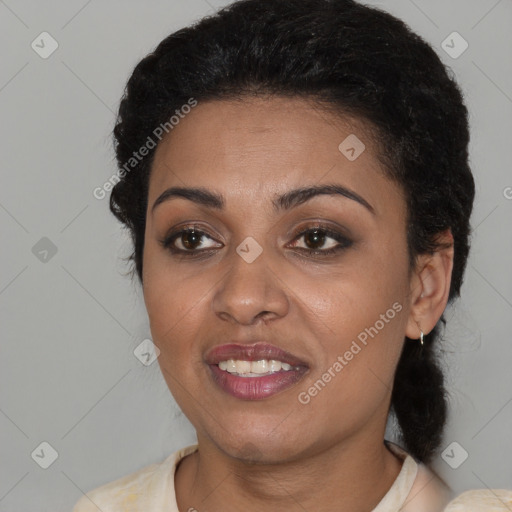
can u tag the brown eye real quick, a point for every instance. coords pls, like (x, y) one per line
(317, 237)
(190, 239)
(314, 238)
(187, 241)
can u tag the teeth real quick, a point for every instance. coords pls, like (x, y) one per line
(275, 366)
(256, 366)
(253, 368)
(243, 366)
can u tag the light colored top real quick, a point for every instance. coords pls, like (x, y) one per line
(416, 489)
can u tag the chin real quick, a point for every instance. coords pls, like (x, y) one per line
(262, 446)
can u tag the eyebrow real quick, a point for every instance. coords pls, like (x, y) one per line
(286, 201)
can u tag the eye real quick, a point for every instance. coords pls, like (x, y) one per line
(188, 240)
(318, 236)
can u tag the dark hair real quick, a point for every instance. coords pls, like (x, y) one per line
(362, 62)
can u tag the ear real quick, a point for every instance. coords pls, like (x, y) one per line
(430, 287)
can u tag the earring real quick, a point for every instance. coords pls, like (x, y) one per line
(421, 338)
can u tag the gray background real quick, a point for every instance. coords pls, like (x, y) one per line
(70, 320)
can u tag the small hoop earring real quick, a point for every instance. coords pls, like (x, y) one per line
(421, 338)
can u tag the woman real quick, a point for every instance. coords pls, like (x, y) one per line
(294, 175)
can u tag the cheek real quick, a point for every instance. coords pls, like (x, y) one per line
(172, 303)
(362, 313)
(351, 299)
(354, 374)
(175, 311)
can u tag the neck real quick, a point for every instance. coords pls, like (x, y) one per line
(353, 475)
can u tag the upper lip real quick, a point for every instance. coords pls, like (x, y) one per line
(253, 352)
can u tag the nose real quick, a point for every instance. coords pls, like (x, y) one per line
(250, 292)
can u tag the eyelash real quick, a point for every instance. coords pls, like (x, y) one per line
(344, 242)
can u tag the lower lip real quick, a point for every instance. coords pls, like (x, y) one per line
(256, 388)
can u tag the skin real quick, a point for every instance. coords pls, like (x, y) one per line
(277, 453)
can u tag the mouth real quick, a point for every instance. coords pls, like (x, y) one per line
(254, 372)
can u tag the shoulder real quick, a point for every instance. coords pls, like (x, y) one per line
(428, 493)
(145, 489)
(418, 488)
(482, 500)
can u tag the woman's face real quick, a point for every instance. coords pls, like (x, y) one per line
(249, 277)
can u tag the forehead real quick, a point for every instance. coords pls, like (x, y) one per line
(257, 147)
